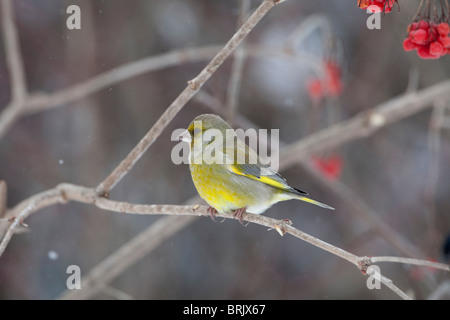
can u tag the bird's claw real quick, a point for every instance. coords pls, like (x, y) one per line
(212, 213)
(238, 213)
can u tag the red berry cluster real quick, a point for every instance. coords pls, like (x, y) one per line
(330, 86)
(377, 5)
(431, 40)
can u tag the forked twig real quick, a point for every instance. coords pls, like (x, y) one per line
(167, 226)
(193, 87)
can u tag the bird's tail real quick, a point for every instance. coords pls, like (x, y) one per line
(317, 203)
(294, 193)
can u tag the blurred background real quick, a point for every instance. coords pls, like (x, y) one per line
(81, 142)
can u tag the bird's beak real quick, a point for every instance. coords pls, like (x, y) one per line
(185, 136)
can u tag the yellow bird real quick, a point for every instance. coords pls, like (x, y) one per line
(225, 183)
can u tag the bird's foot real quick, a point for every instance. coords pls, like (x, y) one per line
(238, 213)
(212, 213)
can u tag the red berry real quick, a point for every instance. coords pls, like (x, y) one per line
(437, 49)
(388, 6)
(363, 4)
(424, 52)
(408, 45)
(443, 29)
(432, 34)
(445, 41)
(418, 36)
(413, 26)
(374, 8)
(376, 5)
(423, 25)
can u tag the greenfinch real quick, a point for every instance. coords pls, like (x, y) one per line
(229, 185)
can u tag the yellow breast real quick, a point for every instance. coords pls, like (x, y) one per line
(214, 186)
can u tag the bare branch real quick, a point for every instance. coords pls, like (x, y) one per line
(434, 146)
(441, 291)
(417, 262)
(107, 270)
(237, 67)
(8, 117)
(37, 102)
(193, 87)
(362, 125)
(337, 188)
(13, 54)
(133, 251)
(426, 92)
(389, 283)
(110, 267)
(363, 211)
(26, 208)
(366, 123)
(3, 198)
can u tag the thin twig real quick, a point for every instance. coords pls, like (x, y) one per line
(417, 262)
(419, 9)
(281, 226)
(3, 198)
(193, 87)
(237, 67)
(15, 67)
(38, 102)
(389, 283)
(336, 188)
(67, 192)
(434, 145)
(131, 252)
(9, 116)
(390, 234)
(147, 140)
(363, 211)
(63, 194)
(441, 291)
(401, 102)
(24, 209)
(127, 255)
(413, 80)
(13, 54)
(366, 123)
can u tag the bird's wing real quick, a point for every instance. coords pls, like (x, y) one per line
(257, 171)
